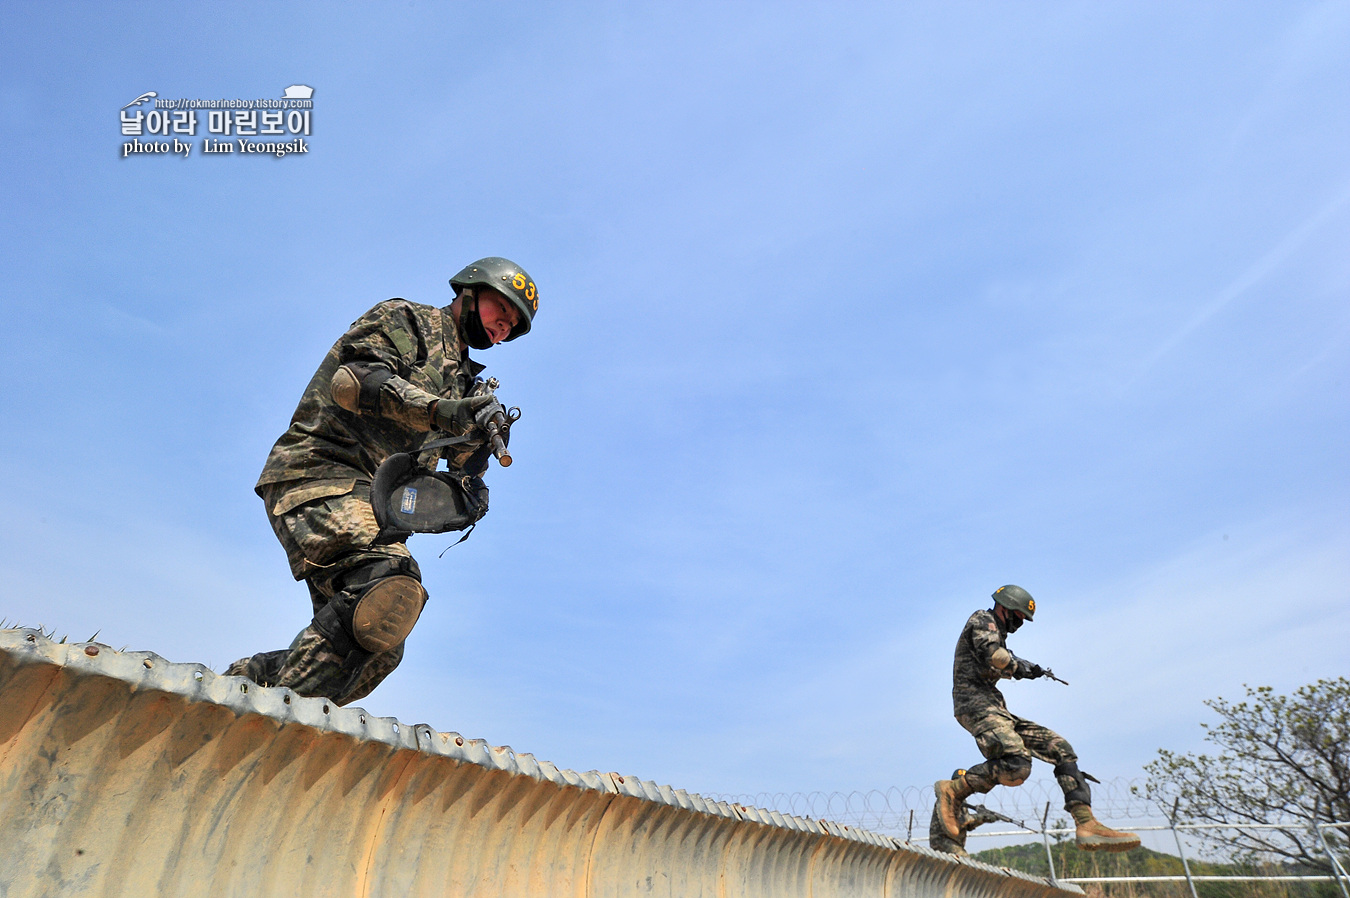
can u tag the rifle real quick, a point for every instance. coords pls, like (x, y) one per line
(982, 814)
(495, 419)
(1045, 672)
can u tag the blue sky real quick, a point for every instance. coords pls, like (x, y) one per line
(849, 314)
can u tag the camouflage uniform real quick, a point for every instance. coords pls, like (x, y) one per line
(316, 485)
(1008, 742)
(938, 840)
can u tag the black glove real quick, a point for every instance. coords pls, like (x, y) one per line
(1027, 670)
(457, 416)
(487, 410)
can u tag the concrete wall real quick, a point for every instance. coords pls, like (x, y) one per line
(122, 774)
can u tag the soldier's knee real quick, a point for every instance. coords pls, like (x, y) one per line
(1013, 770)
(1074, 783)
(979, 778)
(375, 607)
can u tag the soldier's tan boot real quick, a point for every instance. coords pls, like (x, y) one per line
(1093, 836)
(950, 794)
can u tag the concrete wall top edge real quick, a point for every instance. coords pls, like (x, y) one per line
(197, 683)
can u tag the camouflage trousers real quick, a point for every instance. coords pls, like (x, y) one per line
(329, 532)
(1008, 743)
(311, 666)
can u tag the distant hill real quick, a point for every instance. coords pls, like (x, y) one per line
(1070, 862)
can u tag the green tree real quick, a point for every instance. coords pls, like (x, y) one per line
(1283, 759)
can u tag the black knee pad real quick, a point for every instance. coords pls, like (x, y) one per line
(375, 608)
(1079, 793)
(1012, 770)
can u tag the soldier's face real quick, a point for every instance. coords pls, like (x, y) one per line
(1012, 619)
(497, 314)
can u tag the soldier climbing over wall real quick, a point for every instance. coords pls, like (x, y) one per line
(396, 394)
(1008, 742)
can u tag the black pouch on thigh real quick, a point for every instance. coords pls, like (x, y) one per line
(410, 498)
(376, 608)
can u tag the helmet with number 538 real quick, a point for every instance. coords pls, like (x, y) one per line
(1015, 598)
(508, 279)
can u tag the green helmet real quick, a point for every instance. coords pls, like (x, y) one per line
(1015, 598)
(508, 279)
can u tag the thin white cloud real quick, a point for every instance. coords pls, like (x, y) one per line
(1257, 272)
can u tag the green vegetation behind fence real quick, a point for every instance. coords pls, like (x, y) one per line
(1071, 863)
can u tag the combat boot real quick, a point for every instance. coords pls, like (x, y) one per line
(1093, 836)
(950, 795)
(262, 668)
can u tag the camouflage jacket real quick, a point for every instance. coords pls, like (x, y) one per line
(973, 675)
(330, 446)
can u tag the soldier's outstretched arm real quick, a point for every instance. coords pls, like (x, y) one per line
(1022, 669)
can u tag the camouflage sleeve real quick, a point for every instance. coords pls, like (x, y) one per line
(986, 642)
(388, 337)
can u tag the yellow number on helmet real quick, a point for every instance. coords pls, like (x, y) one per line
(529, 291)
(518, 281)
(1031, 605)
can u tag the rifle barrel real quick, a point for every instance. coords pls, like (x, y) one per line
(498, 444)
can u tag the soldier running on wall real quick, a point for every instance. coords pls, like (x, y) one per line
(392, 388)
(1009, 742)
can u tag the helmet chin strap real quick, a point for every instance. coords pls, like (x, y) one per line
(471, 323)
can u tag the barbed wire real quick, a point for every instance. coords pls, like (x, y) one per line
(905, 812)
(893, 811)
